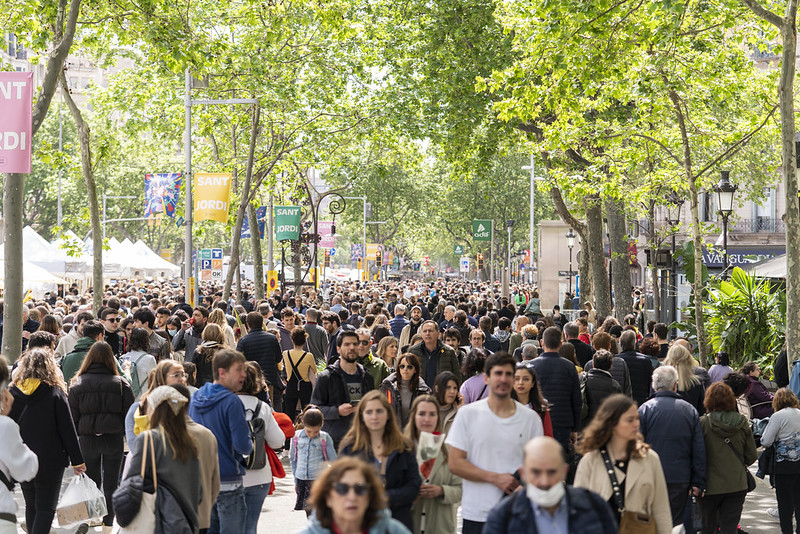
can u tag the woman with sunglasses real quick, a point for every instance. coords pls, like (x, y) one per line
(528, 392)
(375, 437)
(349, 499)
(440, 493)
(403, 386)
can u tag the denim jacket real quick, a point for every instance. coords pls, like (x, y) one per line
(308, 455)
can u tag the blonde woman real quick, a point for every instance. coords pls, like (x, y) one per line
(689, 386)
(217, 317)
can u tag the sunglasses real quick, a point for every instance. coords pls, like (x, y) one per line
(362, 342)
(343, 489)
(403, 366)
(114, 320)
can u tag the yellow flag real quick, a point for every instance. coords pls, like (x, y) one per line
(212, 193)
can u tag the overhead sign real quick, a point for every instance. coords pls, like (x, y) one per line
(210, 264)
(458, 250)
(161, 193)
(464, 264)
(16, 105)
(287, 223)
(212, 192)
(324, 230)
(482, 230)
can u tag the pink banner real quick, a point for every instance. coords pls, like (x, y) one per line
(324, 230)
(16, 102)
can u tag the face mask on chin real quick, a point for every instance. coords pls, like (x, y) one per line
(546, 498)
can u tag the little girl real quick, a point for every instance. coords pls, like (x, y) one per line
(310, 451)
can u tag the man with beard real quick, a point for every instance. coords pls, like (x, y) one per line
(340, 387)
(190, 336)
(411, 328)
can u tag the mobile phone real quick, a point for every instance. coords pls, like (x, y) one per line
(354, 402)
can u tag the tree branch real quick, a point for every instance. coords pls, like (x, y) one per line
(756, 7)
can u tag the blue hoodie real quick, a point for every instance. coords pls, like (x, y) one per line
(215, 407)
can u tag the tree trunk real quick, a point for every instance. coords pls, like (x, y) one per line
(594, 226)
(620, 258)
(255, 242)
(85, 137)
(585, 270)
(237, 230)
(13, 188)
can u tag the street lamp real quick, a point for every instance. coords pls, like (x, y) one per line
(674, 205)
(570, 243)
(506, 284)
(725, 192)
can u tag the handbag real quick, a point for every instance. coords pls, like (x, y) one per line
(751, 481)
(629, 522)
(134, 506)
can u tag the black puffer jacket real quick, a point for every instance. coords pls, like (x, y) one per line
(264, 348)
(599, 385)
(641, 371)
(559, 380)
(99, 401)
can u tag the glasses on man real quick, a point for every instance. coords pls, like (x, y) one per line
(363, 342)
(113, 319)
(343, 489)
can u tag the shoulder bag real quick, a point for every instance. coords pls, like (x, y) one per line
(629, 522)
(751, 481)
(134, 505)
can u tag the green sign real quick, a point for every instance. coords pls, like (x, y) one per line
(287, 223)
(481, 230)
(458, 250)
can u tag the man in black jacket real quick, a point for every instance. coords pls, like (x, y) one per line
(598, 384)
(333, 326)
(317, 336)
(264, 348)
(639, 367)
(340, 387)
(583, 351)
(560, 387)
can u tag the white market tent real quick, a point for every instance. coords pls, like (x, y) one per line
(769, 268)
(35, 278)
(155, 261)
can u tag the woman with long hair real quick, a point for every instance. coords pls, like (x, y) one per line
(99, 398)
(403, 386)
(349, 499)
(445, 388)
(50, 324)
(42, 412)
(213, 341)
(730, 448)
(175, 452)
(689, 386)
(257, 482)
(783, 431)
(387, 350)
(217, 317)
(620, 467)
(474, 387)
(375, 437)
(528, 392)
(166, 373)
(299, 365)
(440, 493)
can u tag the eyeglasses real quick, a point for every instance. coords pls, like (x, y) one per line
(343, 489)
(178, 375)
(114, 320)
(403, 366)
(362, 342)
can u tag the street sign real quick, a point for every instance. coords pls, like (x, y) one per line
(333, 252)
(464, 264)
(272, 281)
(567, 273)
(210, 265)
(458, 250)
(482, 230)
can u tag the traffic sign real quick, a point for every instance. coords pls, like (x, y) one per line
(458, 250)
(464, 264)
(482, 230)
(333, 252)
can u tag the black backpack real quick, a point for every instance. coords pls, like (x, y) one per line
(258, 431)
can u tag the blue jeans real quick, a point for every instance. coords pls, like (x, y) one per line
(254, 497)
(228, 513)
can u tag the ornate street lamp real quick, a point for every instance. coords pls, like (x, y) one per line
(725, 192)
(674, 205)
(570, 243)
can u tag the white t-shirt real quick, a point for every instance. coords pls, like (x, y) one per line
(493, 444)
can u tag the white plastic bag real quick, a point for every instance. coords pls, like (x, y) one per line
(82, 501)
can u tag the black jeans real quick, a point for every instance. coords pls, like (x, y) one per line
(41, 499)
(678, 497)
(103, 457)
(292, 394)
(787, 491)
(471, 527)
(303, 489)
(723, 511)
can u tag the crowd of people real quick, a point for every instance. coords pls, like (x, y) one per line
(394, 404)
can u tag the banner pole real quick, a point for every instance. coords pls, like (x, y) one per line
(491, 258)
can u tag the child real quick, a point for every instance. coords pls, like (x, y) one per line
(310, 450)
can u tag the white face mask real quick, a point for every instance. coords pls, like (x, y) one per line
(546, 498)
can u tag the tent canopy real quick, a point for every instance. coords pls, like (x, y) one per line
(769, 268)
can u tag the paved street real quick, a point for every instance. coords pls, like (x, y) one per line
(278, 515)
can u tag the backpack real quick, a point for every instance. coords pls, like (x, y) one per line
(136, 385)
(324, 448)
(258, 433)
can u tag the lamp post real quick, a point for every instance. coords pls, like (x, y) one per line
(506, 284)
(570, 243)
(674, 204)
(725, 192)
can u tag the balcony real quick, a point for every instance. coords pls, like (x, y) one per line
(760, 225)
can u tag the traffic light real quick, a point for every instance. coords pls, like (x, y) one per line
(327, 261)
(480, 261)
(379, 258)
(358, 264)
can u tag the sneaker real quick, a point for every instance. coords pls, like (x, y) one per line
(773, 513)
(82, 529)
